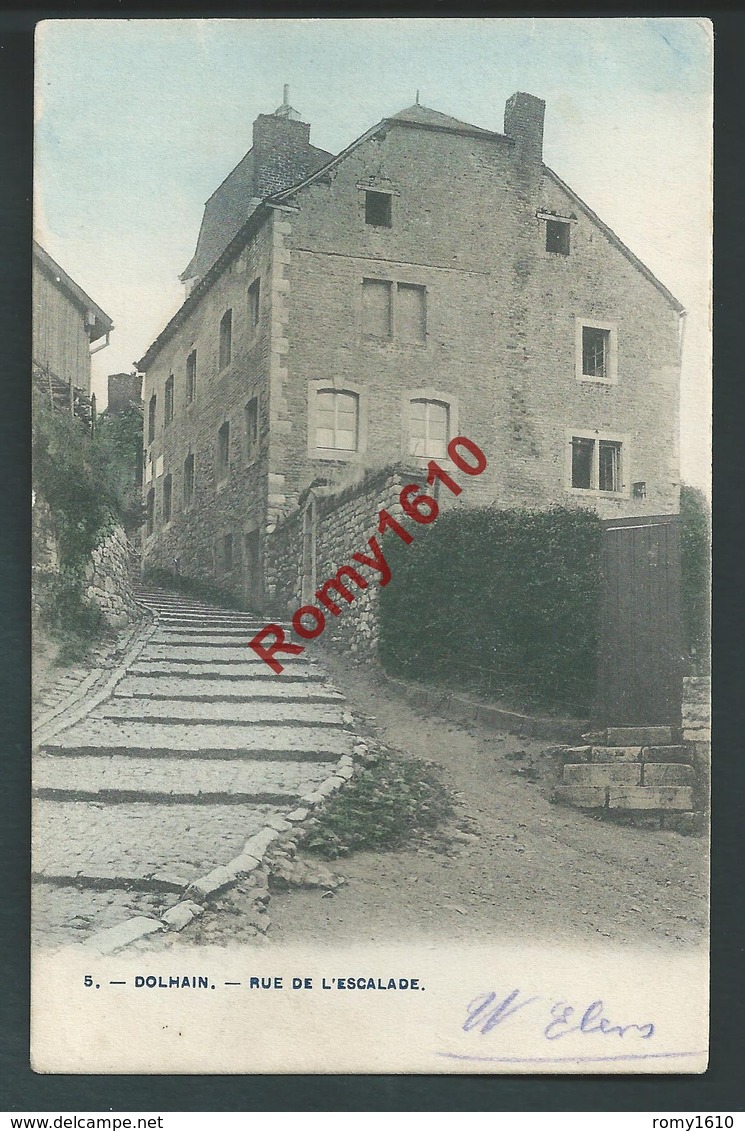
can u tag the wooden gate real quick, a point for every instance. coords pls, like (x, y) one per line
(640, 662)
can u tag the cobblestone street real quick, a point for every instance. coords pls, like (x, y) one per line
(190, 757)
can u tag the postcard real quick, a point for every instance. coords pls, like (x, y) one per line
(371, 526)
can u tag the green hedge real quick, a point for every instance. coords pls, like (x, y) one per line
(498, 600)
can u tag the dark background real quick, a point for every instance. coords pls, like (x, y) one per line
(721, 1088)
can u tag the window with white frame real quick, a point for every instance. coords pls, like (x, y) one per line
(597, 464)
(429, 427)
(596, 347)
(337, 420)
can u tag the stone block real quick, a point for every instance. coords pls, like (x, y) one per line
(650, 797)
(639, 736)
(697, 734)
(178, 917)
(117, 938)
(215, 881)
(603, 773)
(258, 844)
(616, 753)
(581, 796)
(665, 754)
(574, 754)
(668, 773)
(297, 815)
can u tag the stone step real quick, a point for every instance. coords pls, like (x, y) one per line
(171, 779)
(226, 652)
(650, 797)
(603, 773)
(148, 847)
(236, 670)
(233, 714)
(214, 639)
(665, 754)
(625, 797)
(213, 624)
(606, 754)
(582, 796)
(209, 628)
(119, 736)
(639, 736)
(273, 686)
(628, 773)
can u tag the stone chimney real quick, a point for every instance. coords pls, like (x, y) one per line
(280, 147)
(523, 122)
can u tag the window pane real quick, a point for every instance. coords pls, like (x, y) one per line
(336, 420)
(428, 428)
(582, 452)
(324, 438)
(594, 352)
(610, 466)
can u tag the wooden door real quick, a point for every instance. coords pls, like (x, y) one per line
(640, 665)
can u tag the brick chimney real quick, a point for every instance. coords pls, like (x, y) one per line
(523, 122)
(280, 146)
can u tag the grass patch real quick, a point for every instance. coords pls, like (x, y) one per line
(392, 801)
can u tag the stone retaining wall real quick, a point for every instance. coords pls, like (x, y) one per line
(697, 730)
(107, 580)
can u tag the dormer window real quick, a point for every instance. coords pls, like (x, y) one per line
(378, 209)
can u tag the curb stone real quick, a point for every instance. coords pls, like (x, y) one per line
(60, 695)
(225, 875)
(62, 720)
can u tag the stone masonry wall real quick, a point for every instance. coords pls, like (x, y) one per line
(107, 580)
(697, 729)
(344, 521)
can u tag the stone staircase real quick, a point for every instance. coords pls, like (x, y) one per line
(626, 771)
(196, 756)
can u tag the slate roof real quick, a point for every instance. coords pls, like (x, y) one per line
(229, 207)
(423, 116)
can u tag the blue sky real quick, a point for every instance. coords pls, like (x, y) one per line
(138, 121)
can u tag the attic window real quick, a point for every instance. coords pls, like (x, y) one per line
(557, 236)
(378, 210)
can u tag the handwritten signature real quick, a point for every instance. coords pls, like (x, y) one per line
(488, 1010)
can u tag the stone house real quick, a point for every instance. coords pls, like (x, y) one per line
(350, 314)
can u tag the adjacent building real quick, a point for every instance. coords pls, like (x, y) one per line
(68, 326)
(351, 313)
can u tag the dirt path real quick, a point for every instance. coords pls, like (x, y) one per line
(526, 868)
